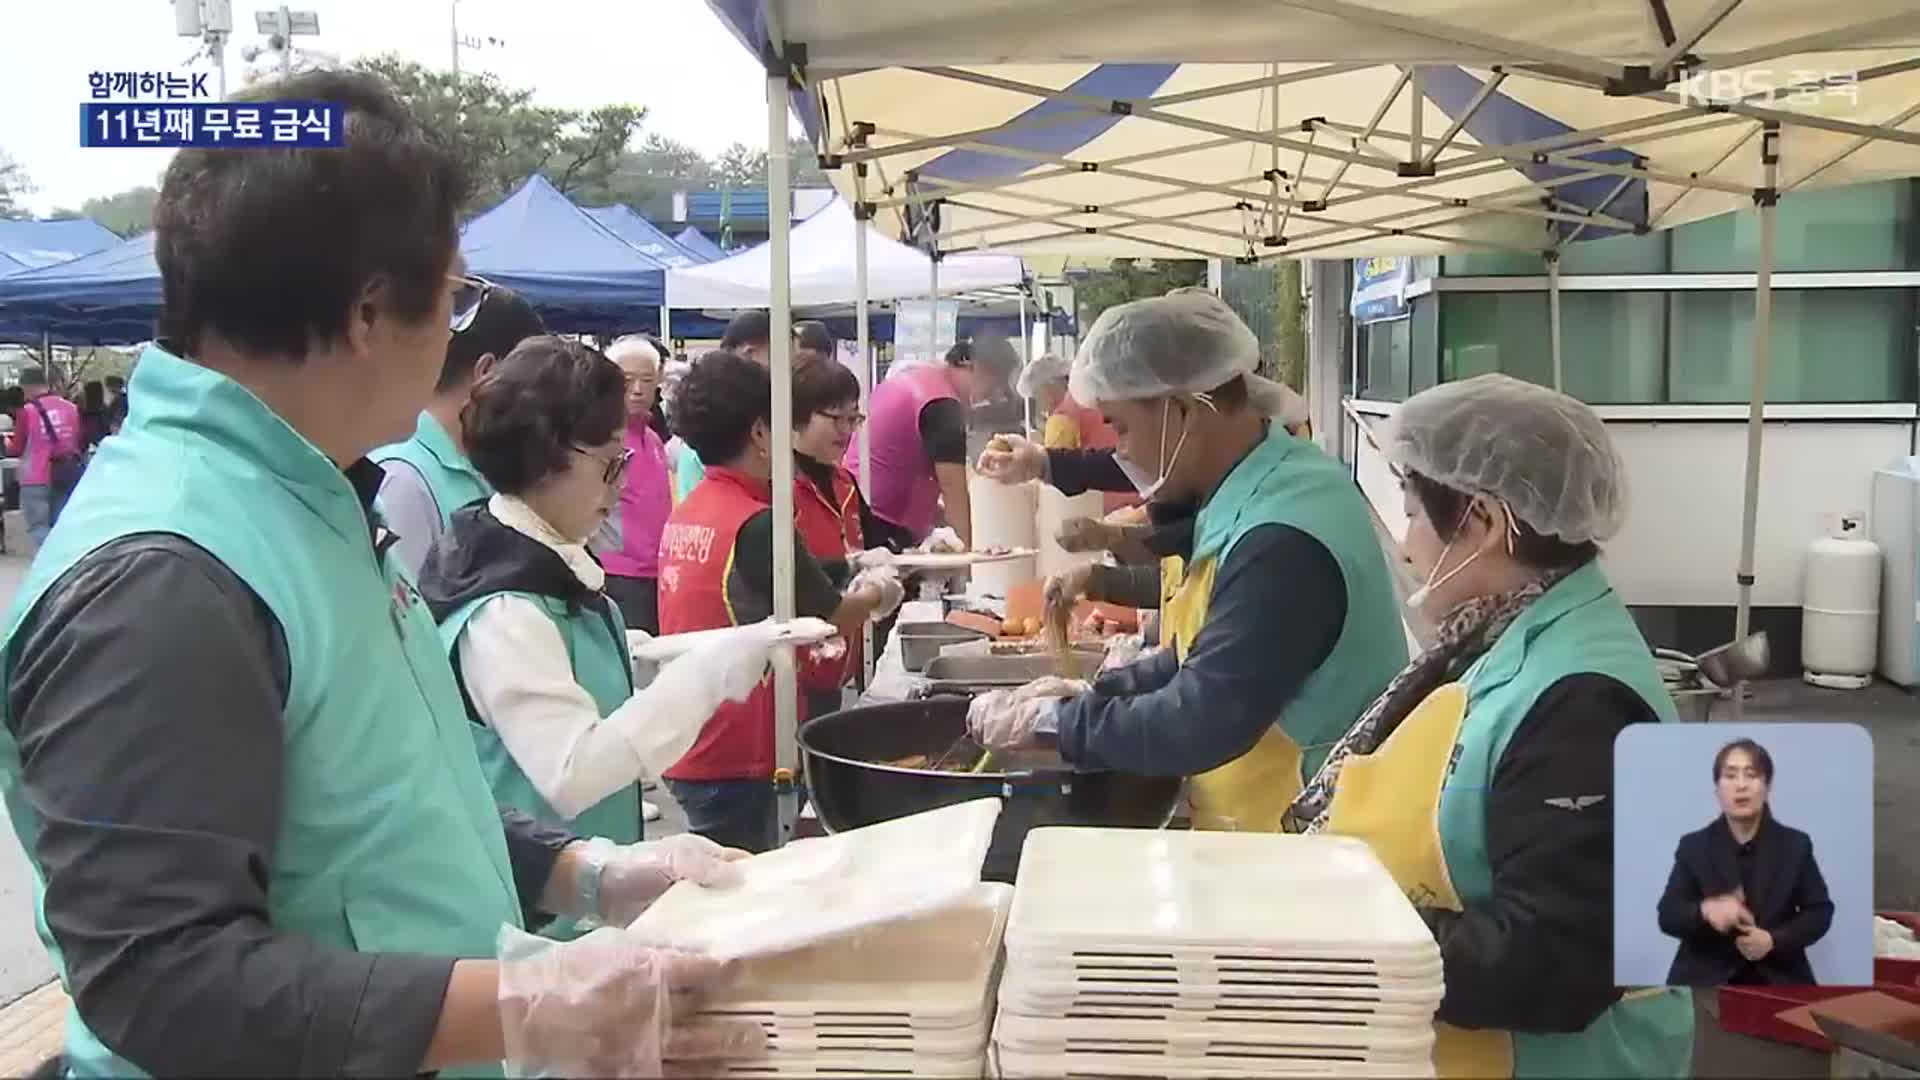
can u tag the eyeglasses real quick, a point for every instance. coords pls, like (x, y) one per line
(845, 420)
(613, 468)
(469, 293)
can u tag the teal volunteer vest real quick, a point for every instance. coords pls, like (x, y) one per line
(451, 478)
(602, 667)
(1289, 481)
(1578, 626)
(391, 841)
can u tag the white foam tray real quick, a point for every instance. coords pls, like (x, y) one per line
(1039, 987)
(934, 971)
(1149, 969)
(952, 1042)
(827, 889)
(1249, 894)
(971, 1065)
(1213, 1039)
(1241, 1006)
(1012, 1065)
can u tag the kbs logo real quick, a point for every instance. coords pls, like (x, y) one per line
(1768, 86)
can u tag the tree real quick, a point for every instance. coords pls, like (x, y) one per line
(646, 178)
(1132, 279)
(502, 137)
(14, 184)
(126, 213)
(740, 166)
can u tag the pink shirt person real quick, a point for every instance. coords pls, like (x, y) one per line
(29, 440)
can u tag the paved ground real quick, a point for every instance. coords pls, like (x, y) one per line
(30, 1026)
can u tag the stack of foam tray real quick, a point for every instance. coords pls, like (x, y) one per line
(909, 998)
(1190, 954)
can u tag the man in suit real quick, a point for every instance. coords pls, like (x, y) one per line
(1745, 898)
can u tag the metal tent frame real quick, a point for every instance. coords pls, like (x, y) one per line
(1433, 187)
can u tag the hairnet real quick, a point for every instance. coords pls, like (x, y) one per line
(1545, 455)
(1050, 368)
(1186, 342)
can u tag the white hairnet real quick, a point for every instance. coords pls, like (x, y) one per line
(1186, 342)
(1050, 368)
(1545, 455)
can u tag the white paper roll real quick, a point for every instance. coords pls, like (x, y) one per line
(1055, 509)
(1003, 517)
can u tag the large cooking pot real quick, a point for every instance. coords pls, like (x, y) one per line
(851, 785)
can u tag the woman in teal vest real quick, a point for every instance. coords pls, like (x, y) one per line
(539, 648)
(1483, 776)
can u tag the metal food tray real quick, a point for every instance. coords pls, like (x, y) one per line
(963, 674)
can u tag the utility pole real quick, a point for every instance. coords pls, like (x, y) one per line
(453, 25)
(281, 26)
(211, 21)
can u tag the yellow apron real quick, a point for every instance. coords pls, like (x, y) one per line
(1251, 793)
(1391, 799)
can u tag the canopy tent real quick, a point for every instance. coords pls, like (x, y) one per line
(10, 265)
(822, 270)
(1253, 129)
(579, 274)
(34, 244)
(110, 297)
(622, 221)
(696, 243)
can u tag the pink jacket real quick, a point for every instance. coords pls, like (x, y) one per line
(29, 439)
(629, 544)
(904, 489)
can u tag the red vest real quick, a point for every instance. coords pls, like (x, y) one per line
(829, 526)
(696, 558)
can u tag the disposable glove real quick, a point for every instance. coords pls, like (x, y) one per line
(603, 1005)
(737, 665)
(1122, 649)
(683, 694)
(1020, 461)
(943, 541)
(1066, 588)
(633, 876)
(1006, 719)
(886, 583)
(1086, 534)
(871, 558)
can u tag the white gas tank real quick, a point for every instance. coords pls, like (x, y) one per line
(1840, 613)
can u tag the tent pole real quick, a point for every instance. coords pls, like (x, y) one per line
(1553, 318)
(1764, 200)
(1026, 358)
(779, 228)
(867, 373)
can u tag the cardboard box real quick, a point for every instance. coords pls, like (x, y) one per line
(1878, 1034)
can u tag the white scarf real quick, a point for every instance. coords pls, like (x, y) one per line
(523, 519)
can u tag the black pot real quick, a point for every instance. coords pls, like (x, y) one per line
(851, 786)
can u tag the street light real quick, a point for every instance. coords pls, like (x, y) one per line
(280, 26)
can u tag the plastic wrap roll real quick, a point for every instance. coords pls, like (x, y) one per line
(1003, 517)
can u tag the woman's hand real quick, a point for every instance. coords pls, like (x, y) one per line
(1012, 459)
(635, 875)
(1754, 943)
(1067, 588)
(1724, 912)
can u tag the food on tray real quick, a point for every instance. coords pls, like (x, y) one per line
(911, 761)
(1000, 444)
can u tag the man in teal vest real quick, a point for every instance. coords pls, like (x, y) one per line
(233, 750)
(428, 476)
(1285, 625)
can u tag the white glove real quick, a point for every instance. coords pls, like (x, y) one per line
(872, 557)
(1005, 719)
(685, 692)
(603, 1005)
(886, 583)
(635, 875)
(1122, 649)
(1019, 462)
(943, 541)
(737, 665)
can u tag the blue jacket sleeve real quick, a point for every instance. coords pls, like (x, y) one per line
(1279, 602)
(1145, 675)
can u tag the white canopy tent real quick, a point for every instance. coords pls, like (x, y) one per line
(1259, 129)
(823, 269)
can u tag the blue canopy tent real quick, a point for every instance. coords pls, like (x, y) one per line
(579, 274)
(34, 244)
(10, 265)
(110, 297)
(624, 222)
(697, 242)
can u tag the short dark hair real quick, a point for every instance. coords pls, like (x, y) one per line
(115, 383)
(1762, 760)
(822, 385)
(504, 320)
(93, 396)
(717, 404)
(749, 328)
(814, 337)
(268, 248)
(34, 376)
(961, 355)
(531, 410)
(1445, 507)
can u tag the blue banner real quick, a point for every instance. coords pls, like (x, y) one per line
(216, 124)
(1380, 288)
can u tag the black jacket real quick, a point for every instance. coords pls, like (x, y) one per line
(1787, 896)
